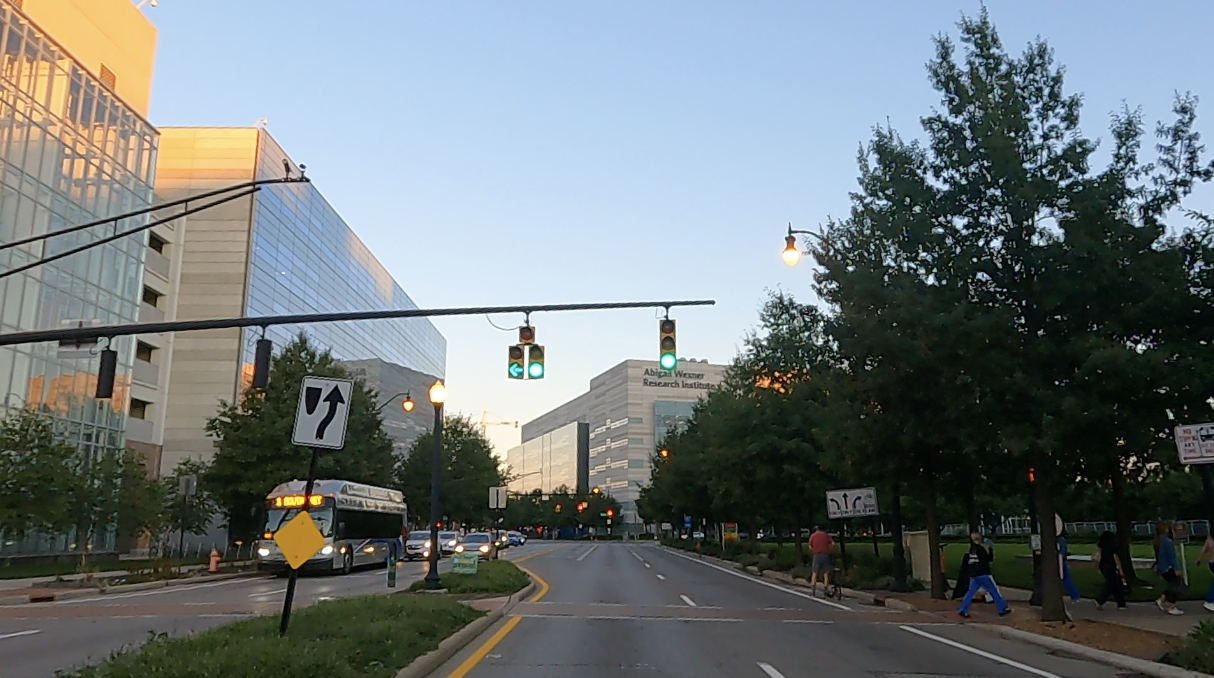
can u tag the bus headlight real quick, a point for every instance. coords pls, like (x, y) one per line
(263, 552)
(327, 550)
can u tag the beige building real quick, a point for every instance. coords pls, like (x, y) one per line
(629, 409)
(284, 250)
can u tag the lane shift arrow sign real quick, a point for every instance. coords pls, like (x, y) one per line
(335, 400)
(321, 421)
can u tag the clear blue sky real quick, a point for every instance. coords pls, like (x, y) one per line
(549, 152)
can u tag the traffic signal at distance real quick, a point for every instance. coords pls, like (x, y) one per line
(526, 335)
(610, 512)
(666, 346)
(664, 453)
(535, 362)
(515, 369)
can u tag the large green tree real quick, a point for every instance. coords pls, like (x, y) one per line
(36, 475)
(467, 469)
(253, 449)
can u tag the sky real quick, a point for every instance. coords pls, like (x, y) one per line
(496, 153)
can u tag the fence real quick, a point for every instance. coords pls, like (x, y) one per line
(1020, 525)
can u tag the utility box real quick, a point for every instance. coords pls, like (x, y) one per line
(919, 551)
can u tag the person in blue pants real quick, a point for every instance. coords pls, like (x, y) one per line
(1065, 570)
(978, 565)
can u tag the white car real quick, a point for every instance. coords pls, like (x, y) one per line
(448, 541)
(417, 545)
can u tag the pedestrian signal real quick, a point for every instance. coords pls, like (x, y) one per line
(666, 346)
(514, 369)
(535, 362)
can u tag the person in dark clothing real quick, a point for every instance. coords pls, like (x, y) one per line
(978, 565)
(1110, 569)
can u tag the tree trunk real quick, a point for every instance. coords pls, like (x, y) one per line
(938, 584)
(900, 585)
(754, 536)
(1121, 514)
(1052, 608)
(971, 508)
(798, 547)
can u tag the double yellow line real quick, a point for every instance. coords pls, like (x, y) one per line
(475, 658)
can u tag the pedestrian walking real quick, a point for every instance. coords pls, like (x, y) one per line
(1065, 570)
(978, 565)
(1207, 554)
(1110, 568)
(821, 546)
(1165, 566)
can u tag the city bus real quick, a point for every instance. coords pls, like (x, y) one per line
(361, 524)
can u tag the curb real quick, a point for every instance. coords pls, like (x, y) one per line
(1142, 666)
(429, 662)
(71, 594)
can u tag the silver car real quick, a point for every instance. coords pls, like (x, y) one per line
(448, 541)
(417, 545)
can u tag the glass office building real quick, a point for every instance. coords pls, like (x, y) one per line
(305, 259)
(555, 460)
(71, 151)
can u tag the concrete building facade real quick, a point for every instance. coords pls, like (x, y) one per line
(628, 409)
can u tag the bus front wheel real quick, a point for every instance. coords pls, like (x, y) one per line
(347, 563)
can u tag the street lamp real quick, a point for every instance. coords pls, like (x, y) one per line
(791, 253)
(407, 405)
(438, 394)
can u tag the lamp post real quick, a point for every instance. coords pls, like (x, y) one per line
(407, 405)
(791, 254)
(438, 394)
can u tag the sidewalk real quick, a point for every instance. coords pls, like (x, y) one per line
(8, 585)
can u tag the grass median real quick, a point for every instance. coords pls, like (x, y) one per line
(492, 576)
(369, 636)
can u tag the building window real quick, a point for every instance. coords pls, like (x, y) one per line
(151, 297)
(139, 408)
(144, 351)
(108, 78)
(156, 243)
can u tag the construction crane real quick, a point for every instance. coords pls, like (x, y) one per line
(485, 423)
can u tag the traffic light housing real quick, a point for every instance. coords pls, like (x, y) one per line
(535, 362)
(515, 368)
(526, 335)
(666, 344)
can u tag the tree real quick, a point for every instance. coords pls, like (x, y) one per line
(253, 449)
(36, 470)
(185, 514)
(467, 471)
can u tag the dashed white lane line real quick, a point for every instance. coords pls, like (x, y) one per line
(646, 566)
(588, 551)
(687, 600)
(770, 670)
(768, 584)
(636, 555)
(980, 653)
(17, 634)
(661, 577)
(154, 592)
(268, 593)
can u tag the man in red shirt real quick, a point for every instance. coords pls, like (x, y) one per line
(821, 545)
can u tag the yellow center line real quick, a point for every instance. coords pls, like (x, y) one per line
(533, 555)
(476, 657)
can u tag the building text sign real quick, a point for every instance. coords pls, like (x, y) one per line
(675, 379)
(1195, 443)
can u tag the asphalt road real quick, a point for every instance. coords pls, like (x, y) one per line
(38, 639)
(611, 610)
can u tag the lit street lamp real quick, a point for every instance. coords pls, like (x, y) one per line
(438, 394)
(791, 253)
(407, 405)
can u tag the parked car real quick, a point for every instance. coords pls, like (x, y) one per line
(417, 545)
(447, 542)
(480, 543)
(697, 535)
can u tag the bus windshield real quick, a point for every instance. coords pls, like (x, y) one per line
(323, 517)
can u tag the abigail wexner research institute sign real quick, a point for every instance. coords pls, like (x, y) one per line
(675, 379)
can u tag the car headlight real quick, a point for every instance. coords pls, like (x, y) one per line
(427, 544)
(327, 550)
(263, 552)
(459, 548)
(484, 548)
(451, 544)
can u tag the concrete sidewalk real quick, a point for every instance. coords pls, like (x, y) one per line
(28, 582)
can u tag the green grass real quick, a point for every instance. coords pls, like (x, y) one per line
(492, 576)
(369, 636)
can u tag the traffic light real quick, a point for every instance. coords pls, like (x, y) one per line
(526, 335)
(535, 362)
(514, 369)
(581, 506)
(666, 347)
(610, 512)
(664, 453)
(596, 490)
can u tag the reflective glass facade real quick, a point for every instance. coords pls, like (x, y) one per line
(305, 259)
(546, 463)
(70, 152)
(670, 417)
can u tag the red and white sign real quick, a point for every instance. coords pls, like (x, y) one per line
(1195, 443)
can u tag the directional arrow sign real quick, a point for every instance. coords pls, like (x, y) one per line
(851, 503)
(324, 407)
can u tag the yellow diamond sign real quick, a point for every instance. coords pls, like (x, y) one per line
(299, 540)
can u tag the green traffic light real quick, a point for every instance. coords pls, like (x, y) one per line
(535, 362)
(535, 370)
(667, 361)
(516, 371)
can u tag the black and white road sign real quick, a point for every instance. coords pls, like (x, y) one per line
(1195, 443)
(497, 498)
(324, 406)
(852, 503)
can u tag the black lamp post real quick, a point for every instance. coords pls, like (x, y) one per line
(791, 253)
(438, 394)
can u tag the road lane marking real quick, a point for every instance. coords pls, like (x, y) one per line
(475, 658)
(20, 633)
(268, 593)
(770, 670)
(638, 556)
(158, 591)
(980, 653)
(543, 585)
(583, 556)
(646, 566)
(766, 583)
(687, 600)
(533, 555)
(622, 617)
(661, 577)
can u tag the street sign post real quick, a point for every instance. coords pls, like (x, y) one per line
(1180, 535)
(497, 498)
(851, 503)
(1195, 445)
(324, 407)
